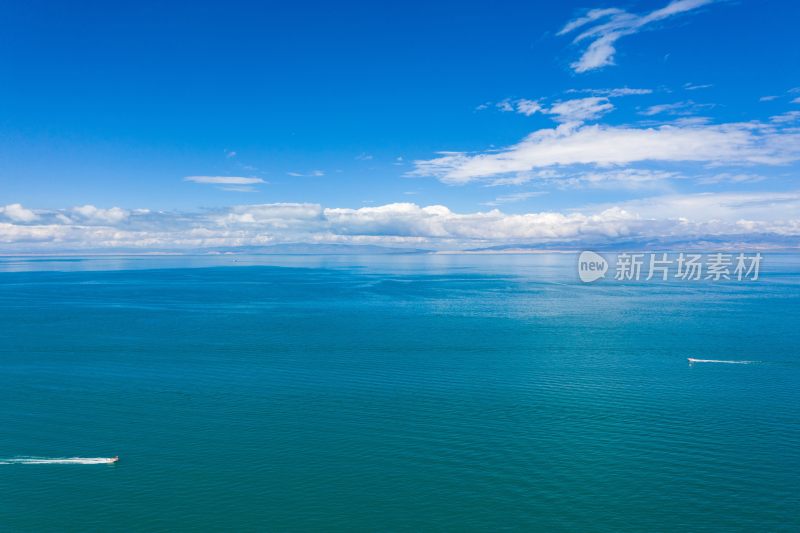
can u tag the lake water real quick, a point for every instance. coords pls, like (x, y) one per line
(419, 392)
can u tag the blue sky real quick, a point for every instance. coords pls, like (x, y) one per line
(461, 124)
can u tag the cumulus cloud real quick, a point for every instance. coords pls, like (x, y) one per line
(94, 215)
(768, 216)
(17, 213)
(602, 28)
(599, 145)
(275, 215)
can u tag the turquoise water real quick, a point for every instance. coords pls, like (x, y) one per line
(455, 393)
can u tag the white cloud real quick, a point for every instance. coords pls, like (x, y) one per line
(17, 213)
(313, 174)
(624, 178)
(581, 109)
(572, 110)
(768, 98)
(575, 110)
(524, 177)
(604, 27)
(515, 197)
(796, 100)
(695, 87)
(627, 178)
(731, 177)
(505, 105)
(223, 180)
(613, 93)
(528, 107)
(92, 214)
(686, 107)
(696, 216)
(278, 215)
(721, 208)
(599, 145)
(789, 116)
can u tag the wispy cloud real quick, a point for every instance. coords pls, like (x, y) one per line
(528, 107)
(580, 109)
(686, 107)
(786, 118)
(731, 177)
(312, 174)
(523, 106)
(602, 28)
(574, 110)
(613, 93)
(570, 110)
(515, 197)
(626, 178)
(618, 179)
(224, 180)
(228, 183)
(695, 87)
(599, 145)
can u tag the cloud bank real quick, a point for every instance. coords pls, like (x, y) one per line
(761, 218)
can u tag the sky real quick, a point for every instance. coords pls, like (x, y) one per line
(439, 125)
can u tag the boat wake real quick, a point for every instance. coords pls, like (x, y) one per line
(59, 461)
(723, 361)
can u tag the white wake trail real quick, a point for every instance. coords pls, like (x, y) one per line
(58, 461)
(723, 361)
